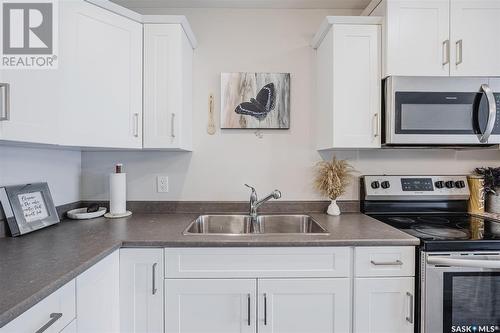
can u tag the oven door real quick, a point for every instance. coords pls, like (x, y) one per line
(467, 114)
(461, 293)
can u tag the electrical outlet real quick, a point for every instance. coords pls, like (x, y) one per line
(162, 184)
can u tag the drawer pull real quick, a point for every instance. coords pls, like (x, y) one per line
(4, 102)
(387, 263)
(409, 318)
(153, 282)
(265, 309)
(248, 309)
(53, 318)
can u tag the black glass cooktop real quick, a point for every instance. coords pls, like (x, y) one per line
(452, 231)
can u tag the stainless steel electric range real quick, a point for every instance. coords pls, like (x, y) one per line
(458, 261)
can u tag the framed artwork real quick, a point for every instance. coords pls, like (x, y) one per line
(255, 100)
(28, 207)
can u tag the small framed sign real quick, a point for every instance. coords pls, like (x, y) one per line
(28, 207)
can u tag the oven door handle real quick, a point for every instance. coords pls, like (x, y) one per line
(492, 113)
(480, 262)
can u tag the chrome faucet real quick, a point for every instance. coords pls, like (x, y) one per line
(255, 202)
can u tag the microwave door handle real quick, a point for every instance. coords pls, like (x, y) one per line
(492, 113)
(459, 262)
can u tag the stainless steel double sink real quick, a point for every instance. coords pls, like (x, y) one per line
(262, 225)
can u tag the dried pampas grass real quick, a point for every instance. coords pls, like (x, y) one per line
(332, 177)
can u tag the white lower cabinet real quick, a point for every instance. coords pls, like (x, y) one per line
(141, 290)
(97, 297)
(384, 289)
(210, 305)
(234, 290)
(384, 305)
(304, 305)
(283, 305)
(51, 314)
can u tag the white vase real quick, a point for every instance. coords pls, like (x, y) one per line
(333, 208)
(493, 203)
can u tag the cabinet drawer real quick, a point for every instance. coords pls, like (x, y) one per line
(384, 261)
(62, 301)
(257, 262)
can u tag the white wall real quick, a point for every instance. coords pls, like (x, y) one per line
(255, 41)
(59, 168)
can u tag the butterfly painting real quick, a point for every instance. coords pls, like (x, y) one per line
(255, 100)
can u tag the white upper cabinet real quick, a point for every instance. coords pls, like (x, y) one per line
(168, 58)
(96, 97)
(416, 39)
(103, 103)
(440, 37)
(348, 80)
(475, 37)
(31, 99)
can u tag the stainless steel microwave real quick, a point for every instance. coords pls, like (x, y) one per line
(441, 111)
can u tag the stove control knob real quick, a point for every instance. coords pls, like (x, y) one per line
(450, 184)
(375, 184)
(385, 184)
(460, 184)
(439, 184)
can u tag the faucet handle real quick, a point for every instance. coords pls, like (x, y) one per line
(250, 187)
(253, 195)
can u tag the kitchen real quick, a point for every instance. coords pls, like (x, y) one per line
(74, 152)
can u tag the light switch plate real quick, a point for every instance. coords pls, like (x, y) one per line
(162, 184)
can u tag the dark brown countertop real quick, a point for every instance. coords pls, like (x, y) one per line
(35, 265)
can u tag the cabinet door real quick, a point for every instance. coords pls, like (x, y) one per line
(383, 305)
(475, 28)
(103, 93)
(356, 86)
(97, 297)
(35, 97)
(210, 306)
(141, 290)
(304, 305)
(167, 87)
(417, 38)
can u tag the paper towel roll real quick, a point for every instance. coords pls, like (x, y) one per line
(117, 193)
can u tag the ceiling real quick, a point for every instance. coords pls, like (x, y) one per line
(299, 4)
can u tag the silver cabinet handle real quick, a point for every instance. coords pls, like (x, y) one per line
(53, 318)
(265, 309)
(387, 263)
(375, 125)
(136, 125)
(153, 282)
(446, 52)
(248, 310)
(459, 46)
(492, 113)
(5, 101)
(172, 125)
(409, 318)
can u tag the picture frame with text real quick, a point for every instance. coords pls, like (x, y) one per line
(28, 207)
